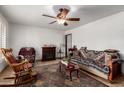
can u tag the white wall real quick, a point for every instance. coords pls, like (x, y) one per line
(28, 36)
(102, 34)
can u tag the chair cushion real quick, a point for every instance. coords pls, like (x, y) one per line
(28, 53)
(10, 57)
(29, 65)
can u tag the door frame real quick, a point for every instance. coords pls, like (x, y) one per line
(66, 51)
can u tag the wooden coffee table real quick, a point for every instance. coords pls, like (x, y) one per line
(70, 67)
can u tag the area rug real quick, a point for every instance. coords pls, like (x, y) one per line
(50, 76)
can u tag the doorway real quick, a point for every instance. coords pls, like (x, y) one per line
(68, 43)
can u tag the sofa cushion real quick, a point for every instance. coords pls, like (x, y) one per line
(83, 53)
(95, 59)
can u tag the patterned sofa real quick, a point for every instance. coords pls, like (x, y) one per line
(106, 64)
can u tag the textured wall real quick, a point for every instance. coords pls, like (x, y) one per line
(102, 34)
(28, 36)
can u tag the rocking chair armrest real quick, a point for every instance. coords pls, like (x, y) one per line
(19, 64)
(25, 61)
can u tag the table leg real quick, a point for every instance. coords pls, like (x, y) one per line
(70, 75)
(78, 73)
(60, 68)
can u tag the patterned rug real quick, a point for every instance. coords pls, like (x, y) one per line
(50, 76)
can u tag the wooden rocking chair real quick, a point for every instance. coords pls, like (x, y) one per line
(22, 68)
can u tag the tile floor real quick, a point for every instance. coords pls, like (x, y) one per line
(119, 82)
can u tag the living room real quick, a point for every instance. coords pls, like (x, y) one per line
(93, 27)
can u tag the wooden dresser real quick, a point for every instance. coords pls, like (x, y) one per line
(48, 53)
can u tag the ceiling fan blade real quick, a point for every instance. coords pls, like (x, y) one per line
(48, 16)
(65, 24)
(63, 13)
(52, 22)
(73, 19)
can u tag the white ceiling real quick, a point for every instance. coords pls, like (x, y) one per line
(32, 14)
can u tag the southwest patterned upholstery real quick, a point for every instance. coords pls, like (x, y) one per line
(106, 64)
(28, 53)
(95, 59)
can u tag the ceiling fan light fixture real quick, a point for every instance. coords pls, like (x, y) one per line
(61, 17)
(61, 21)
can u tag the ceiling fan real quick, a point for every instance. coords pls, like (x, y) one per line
(61, 17)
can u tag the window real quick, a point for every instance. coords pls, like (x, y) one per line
(0, 35)
(3, 34)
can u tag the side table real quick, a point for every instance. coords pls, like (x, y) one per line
(70, 67)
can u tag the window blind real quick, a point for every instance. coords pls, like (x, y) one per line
(3, 35)
(0, 37)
